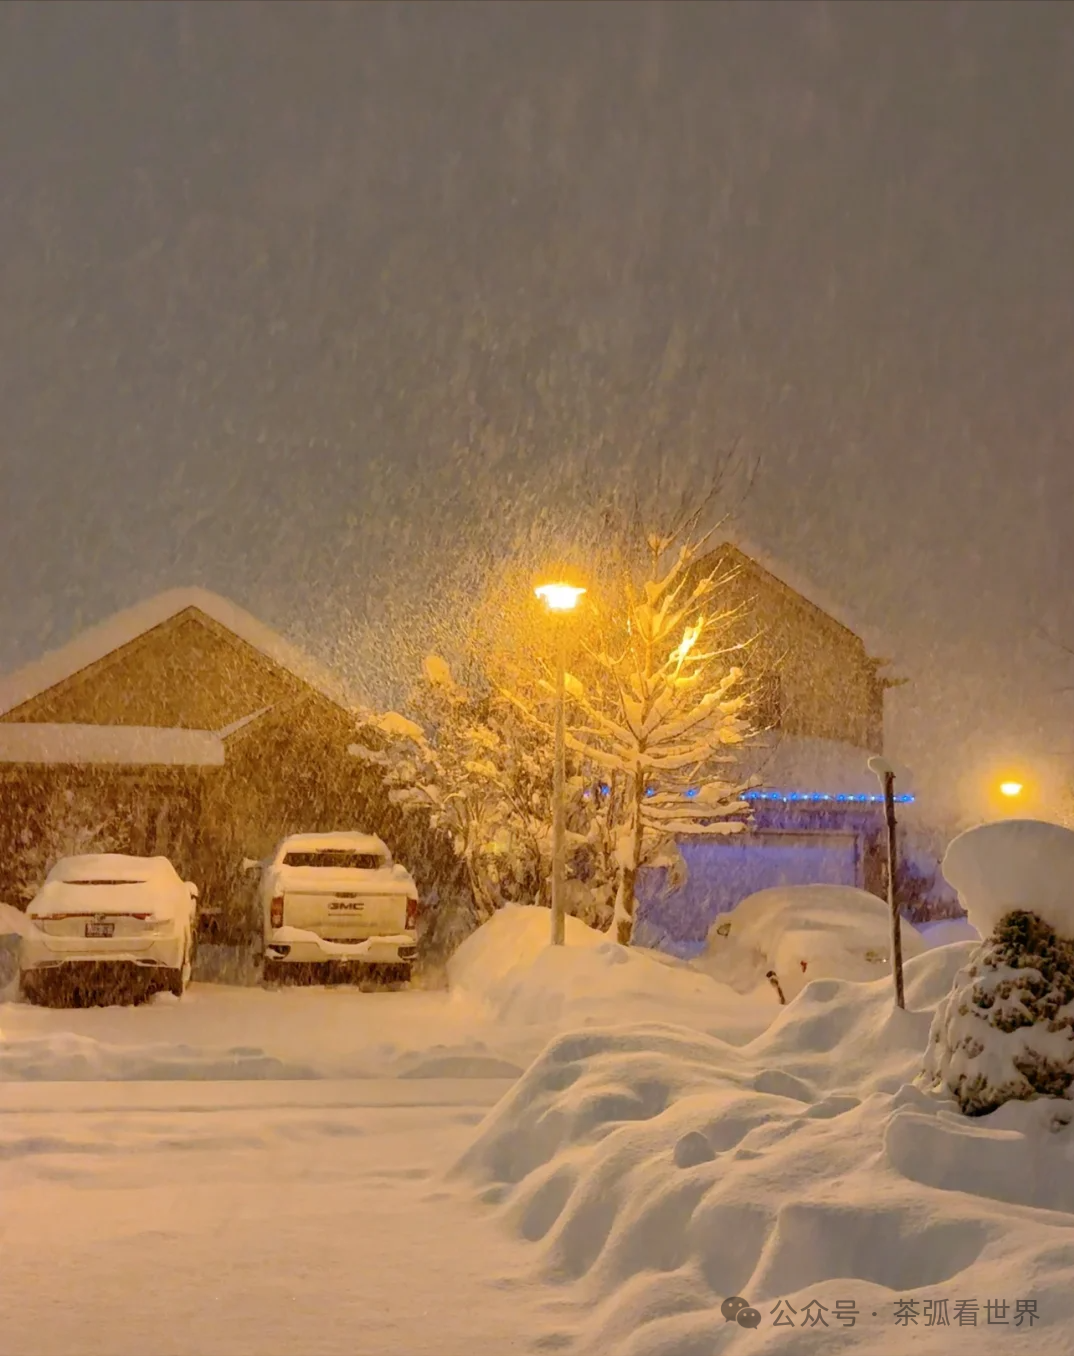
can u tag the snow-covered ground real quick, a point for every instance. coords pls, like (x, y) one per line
(585, 1149)
(260, 1218)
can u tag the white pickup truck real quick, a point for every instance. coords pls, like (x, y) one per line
(336, 900)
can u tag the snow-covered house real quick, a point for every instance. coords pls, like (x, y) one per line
(817, 816)
(181, 726)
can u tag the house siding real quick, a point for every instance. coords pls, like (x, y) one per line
(826, 682)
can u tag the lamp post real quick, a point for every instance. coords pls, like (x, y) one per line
(886, 773)
(560, 599)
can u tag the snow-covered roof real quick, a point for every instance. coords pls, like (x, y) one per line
(109, 744)
(119, 630)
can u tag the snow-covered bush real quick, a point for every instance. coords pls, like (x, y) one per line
(1006, 1030)
(480, 771)
(66, 825)
(921, 894)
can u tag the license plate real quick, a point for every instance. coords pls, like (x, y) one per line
(100, 929)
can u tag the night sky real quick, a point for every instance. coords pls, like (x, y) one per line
(295, 298)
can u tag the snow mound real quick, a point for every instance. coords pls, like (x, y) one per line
(1014, 864)
(508, 968)
(804, 932)
(659, 1171)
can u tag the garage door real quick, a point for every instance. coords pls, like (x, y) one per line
(725, 871)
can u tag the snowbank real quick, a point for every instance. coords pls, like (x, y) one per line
(804, 932)
(664, 1171)
(508, 968)
(1014, 864)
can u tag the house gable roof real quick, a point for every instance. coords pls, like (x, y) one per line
(102, 640)
(756, 556)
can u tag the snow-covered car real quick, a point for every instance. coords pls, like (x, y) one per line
(99, 916)
(337, 899)
(799, 933)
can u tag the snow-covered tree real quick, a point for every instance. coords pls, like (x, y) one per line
(481, 773)
(1005, 1032)
(661, 709)
(656, 708)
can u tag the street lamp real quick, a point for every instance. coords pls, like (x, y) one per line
(1011, 790)
(560, 599)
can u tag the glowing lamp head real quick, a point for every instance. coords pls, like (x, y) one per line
(1010, 789)
(559, 597)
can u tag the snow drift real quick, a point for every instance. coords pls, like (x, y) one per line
(508, 969)
(662, 1170)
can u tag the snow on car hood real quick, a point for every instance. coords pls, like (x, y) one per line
(318, 880)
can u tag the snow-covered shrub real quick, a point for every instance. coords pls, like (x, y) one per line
(480, 773)
(1006, 1030)
(921, 894)
(67, 825)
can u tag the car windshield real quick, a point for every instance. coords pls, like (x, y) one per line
(338, 859)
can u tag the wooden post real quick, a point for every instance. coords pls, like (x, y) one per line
(886, 773)
(896, 921)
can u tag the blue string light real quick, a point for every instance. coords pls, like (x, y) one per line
(820, 797)
(794, 797)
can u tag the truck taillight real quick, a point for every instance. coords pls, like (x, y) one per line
(276, 912)
(411, 915)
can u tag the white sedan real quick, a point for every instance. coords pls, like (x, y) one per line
(108, 917)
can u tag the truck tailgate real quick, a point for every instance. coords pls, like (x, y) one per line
(346, 915)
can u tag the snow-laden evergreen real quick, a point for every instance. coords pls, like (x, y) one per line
(1006, 1030)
